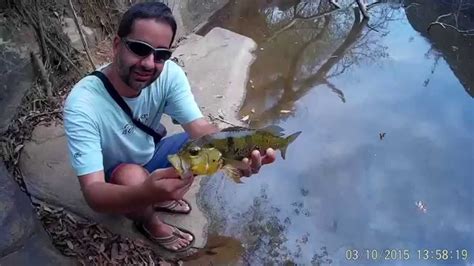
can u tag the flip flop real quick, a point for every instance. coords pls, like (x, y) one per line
(171, 207)
(167, 241)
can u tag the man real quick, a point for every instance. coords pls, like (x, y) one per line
(112, 157)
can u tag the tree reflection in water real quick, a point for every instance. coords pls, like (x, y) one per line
(302, 45)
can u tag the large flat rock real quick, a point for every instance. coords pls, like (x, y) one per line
(45, 163)
(22, 238)
(190, 15)
(218, 66)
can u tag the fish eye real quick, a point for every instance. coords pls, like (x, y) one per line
(194, 151)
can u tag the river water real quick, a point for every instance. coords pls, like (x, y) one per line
(384, 168)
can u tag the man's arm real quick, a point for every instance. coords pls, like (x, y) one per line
(161, 185)
(199, 128)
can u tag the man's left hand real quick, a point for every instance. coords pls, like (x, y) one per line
(256, 161)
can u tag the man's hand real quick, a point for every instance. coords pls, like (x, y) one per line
(166, 184)
(257, 159)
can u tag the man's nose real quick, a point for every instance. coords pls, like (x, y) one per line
(148, 62)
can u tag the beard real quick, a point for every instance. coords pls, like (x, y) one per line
(130, 75)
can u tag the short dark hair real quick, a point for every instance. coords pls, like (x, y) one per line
(148, 10)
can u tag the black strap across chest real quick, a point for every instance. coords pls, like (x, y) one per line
(119, 100)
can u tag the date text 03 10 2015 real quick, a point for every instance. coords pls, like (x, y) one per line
(407, 254)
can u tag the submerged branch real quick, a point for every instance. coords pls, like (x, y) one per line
(300, 18)
(337, 91)
(446, 25)
(363, 8)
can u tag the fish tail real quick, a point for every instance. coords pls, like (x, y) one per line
(288, 140)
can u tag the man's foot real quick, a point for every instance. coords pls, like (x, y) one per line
(168, 236)
(173, 206)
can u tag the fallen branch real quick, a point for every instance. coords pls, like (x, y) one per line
(446, 25)
(44, 48)
(44, 76)
(83, 39)
(212, 117)
(51, 43)
(45, 113)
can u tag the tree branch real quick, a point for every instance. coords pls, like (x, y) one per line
(48, 40)
(83, 39)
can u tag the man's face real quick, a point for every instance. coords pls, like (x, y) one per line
(139, 71)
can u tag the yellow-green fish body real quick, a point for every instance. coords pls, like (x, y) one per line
(237, 143)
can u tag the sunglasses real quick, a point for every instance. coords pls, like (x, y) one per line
(143, 49)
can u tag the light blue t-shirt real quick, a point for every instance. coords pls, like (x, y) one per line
(100, 135)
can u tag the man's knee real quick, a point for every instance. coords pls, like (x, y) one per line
(129, 174)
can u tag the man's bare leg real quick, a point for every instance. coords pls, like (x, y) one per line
(133, 175)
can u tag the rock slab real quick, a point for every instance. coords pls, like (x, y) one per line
(22, 238)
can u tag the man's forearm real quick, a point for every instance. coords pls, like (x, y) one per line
(112, 198)
(199, 128)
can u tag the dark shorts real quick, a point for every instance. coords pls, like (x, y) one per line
(165, 147)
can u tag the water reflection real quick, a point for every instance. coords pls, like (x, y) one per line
(343, 187)
(219, 250)
(301, 45)
(456, 49)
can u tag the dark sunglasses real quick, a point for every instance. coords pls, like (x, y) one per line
(143, 49)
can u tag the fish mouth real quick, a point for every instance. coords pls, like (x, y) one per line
(181, 166)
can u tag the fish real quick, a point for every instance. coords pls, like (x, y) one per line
(225, 150)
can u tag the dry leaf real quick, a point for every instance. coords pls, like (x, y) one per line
(252, 111)
(70, 245)
(245, 118)
(18, 148)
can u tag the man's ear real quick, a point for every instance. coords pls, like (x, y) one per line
(116, 44)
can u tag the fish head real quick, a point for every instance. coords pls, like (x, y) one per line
(197, 160)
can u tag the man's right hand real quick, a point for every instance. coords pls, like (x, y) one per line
(166, 184)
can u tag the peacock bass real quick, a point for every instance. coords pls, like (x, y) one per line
(225, 150)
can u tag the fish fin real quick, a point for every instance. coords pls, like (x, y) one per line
(233, 173)
(274, 129)
(289, 140)
(234, 128)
